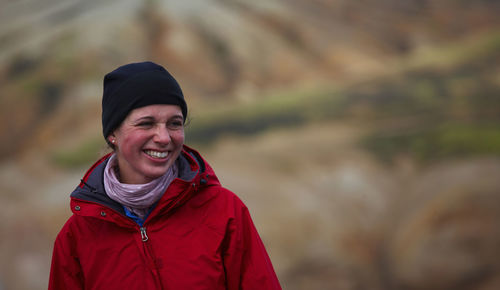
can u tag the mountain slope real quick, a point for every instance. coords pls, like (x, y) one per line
(53, 54)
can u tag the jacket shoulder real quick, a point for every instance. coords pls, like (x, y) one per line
(72, 227)
(219, 195)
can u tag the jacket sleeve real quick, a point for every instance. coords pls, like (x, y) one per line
(65, 271)
(246, 261)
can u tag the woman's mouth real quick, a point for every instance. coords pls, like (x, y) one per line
(156, 154)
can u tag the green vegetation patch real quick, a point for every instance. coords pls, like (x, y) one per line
(436, 142)
(79, 156)
(272, 112)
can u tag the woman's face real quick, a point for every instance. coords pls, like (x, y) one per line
(148, 142)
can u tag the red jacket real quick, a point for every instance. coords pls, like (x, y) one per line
(198, 236)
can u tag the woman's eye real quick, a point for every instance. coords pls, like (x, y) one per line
(145, 124)
(175, 124)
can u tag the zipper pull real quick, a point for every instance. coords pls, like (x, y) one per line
(144, 236)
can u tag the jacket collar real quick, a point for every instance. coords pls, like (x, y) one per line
(194, 173)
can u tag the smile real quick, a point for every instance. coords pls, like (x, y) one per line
(156, 154)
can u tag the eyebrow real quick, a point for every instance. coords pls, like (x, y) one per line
(177, 117)
(149, 118)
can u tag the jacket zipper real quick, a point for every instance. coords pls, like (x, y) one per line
(144, 235)
(150, 256)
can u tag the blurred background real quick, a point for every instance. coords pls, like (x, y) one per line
(364, 135)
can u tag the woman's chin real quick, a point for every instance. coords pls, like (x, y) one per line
(155, 173)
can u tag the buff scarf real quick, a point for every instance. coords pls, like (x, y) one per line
(137, 198)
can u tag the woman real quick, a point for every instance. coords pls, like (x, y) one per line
(152, 214)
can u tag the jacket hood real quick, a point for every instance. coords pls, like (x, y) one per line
(90, 198)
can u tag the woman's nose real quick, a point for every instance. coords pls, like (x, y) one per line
(162, 135)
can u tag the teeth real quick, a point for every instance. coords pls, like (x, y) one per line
(156, 154)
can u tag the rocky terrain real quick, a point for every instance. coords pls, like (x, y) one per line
(363, 135)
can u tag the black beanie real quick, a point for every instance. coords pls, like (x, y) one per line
(137, 85)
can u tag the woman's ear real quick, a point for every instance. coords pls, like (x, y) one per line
(112, 138)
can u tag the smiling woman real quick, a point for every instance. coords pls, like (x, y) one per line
(148, 142)
(152, 214)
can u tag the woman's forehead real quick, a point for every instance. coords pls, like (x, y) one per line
(156, 111)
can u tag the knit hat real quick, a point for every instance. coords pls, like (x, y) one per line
(137, 85)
